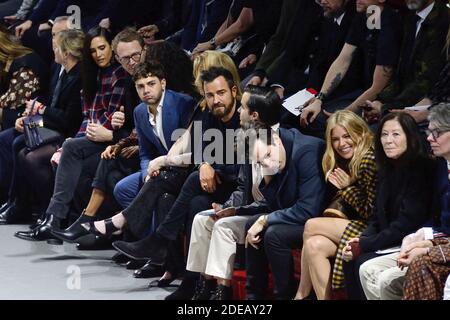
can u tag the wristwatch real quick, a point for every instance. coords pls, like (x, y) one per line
(320, 96)
(213, 42)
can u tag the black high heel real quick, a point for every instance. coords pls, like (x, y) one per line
(110, 228)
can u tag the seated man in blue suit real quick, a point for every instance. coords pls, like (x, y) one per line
(294, 188)
(156, 118)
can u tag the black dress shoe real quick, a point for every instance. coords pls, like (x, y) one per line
(41, 232)
(75, 231)
(153, 248)
(148, 271)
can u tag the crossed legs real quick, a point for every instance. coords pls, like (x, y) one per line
(320, 242)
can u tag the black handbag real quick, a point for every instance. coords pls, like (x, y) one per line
(35, 133)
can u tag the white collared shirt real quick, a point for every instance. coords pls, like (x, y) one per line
(157, 123)
(338, 20)
(423, 15)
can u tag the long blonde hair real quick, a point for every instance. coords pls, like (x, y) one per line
(360, 134)
(10, 49)
(210, 58)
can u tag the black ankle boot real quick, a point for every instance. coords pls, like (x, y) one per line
(110, 228)
(41, 232)
(204, 289)
(75, 231)
(222, 293)
(186, 290)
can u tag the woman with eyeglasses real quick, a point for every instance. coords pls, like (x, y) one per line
(403, 198)
(428, 261)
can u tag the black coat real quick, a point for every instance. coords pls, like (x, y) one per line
(65, 117)
(403, 201)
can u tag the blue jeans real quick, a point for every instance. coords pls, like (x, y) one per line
(127, 189)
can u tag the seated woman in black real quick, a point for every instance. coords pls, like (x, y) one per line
(403, 197)
(62, 113)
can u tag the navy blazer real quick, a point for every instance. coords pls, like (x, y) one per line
(294, 195)
(176, 113)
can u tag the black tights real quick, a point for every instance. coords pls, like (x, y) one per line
(38, 170)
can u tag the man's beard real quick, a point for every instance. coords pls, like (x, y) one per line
(220, 114)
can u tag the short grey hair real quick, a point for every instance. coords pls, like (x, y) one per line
(440, 115)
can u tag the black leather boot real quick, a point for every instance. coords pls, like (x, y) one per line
(222, 293)
(186, 290)
(75, 231)
(204, 289)
(41, 232)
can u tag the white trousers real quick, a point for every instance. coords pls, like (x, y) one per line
(212, 249)
(382, 279)
(447, 289)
